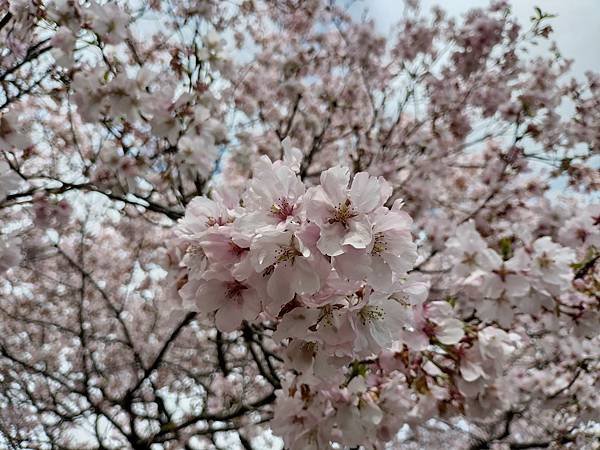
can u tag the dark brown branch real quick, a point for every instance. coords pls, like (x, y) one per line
(316, 146)
(4, 21)
(269, 375)
(88, 187)
(32, 53)
(290, 120)
(159, 357)
(581, 368)
(23, 92)
(236, 412)
(484, 444)
(245, 442)
(221, 354)
(583, 270)
(519, 446)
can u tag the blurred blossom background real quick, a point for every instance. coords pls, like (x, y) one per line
(576, 25)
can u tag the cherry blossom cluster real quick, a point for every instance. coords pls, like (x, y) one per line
(286, 248)
(329, 266)
(525, 275)
(400, 387)
(202, 238)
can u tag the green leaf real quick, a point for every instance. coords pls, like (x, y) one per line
(506, 248)
(452, 300)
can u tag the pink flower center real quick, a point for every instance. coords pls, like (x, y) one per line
(287, 253)
(379, 244)
(236, 249)
(211, 221)
(371, 314)
(233, 290)
(282, 209)
(429, 329)
(469, 259)
(503, 272)
(343, 213)
(544, 261)
(581, 234)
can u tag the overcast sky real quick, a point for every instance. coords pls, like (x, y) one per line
(577, 27)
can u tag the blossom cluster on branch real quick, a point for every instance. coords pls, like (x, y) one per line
(369, 349)
(255, 224)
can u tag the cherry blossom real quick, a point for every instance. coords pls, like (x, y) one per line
(265, 224)
(10, 255)
(342, 212)
(9, 180)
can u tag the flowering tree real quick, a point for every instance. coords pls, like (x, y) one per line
(241, 224)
